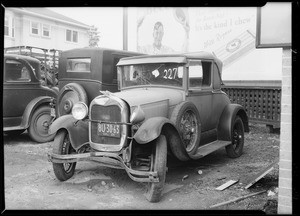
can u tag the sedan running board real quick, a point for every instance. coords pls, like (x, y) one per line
(209, 148)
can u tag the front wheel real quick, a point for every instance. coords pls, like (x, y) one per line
(39, 125)
(235, 149)
(62, 146)
(187, 120)
(158, 164)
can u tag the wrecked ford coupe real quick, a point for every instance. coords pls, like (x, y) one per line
(168, 104)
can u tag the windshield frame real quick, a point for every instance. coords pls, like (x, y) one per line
(182, 87)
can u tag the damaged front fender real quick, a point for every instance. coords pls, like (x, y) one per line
(150, 129)
(78, 130)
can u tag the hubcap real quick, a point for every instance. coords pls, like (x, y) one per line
(42, 124)
(188, 127)
(237, 138)
(68, 106)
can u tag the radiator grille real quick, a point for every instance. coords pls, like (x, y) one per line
(104, 113)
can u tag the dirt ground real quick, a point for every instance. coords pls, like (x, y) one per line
(31, 184)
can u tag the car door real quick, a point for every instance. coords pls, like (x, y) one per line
(18, 90)
(200, 90)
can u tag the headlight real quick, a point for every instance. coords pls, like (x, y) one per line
(80, 110)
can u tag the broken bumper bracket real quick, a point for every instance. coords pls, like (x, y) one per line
(106, 159)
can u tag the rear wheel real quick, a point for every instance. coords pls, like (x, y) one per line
(158, 164)
(39, 125)
(62, 146)
(235, 149)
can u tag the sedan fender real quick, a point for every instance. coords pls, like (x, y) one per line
(228, 115)
(78, 130)
(31, 107)
(152, 128)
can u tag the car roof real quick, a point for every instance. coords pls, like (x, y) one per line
(27, 58)
(176, 58)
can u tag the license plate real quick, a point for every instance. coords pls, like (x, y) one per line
(110, 130)
(52, 112)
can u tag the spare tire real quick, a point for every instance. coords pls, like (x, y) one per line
(68, 96)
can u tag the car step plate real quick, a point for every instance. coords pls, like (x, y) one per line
(209, 148)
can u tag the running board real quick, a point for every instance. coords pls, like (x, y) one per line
(13, 128)
(209, 148)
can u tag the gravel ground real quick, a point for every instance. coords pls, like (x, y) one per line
(29, 181)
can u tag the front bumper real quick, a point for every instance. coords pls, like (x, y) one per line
(112, 160)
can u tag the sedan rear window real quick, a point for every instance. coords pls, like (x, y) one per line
(16, 71)
(79, 65)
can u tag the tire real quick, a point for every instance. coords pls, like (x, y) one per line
(39, 125)
(68, 96)
(14, 132)
(235, 149)
(62, 146)
(159, 164)
(187, 120)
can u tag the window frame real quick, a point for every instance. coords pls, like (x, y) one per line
(10, 26)
(49, 30)
(38, 28)
(193, 61)
(20, 79)
(72, 36)
(79, 60)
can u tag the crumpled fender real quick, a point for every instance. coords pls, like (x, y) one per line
(150, 129)
(78, 130)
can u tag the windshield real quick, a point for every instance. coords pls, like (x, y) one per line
(166, 74)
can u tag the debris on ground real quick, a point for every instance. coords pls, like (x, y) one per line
(200, 172)
(273, 192)
(236, 199)
(227, 184)
(185, 177)
(261, 174)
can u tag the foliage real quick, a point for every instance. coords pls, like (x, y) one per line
(94, 36)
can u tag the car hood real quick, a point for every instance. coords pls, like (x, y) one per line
(153, 101)
(135, 97)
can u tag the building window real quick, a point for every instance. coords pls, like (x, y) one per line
(13, 27)
(6, 26)
(46, 30)
(9, 26)
(68, 35)
(71, 36)
(35, 28)
(75, 36)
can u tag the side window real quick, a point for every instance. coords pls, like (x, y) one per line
(199, 74)
(16, 71)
